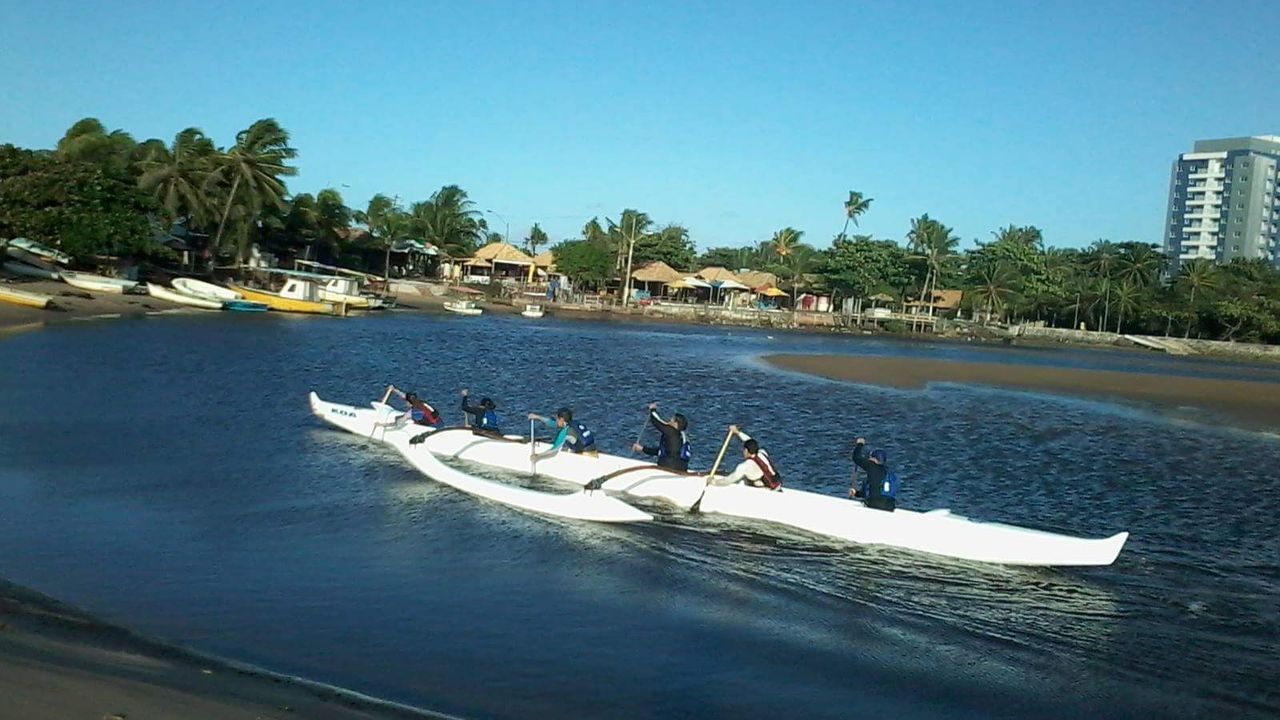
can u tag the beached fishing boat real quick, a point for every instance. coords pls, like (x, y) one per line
(98, 283)
(463, 307)
(532, 311)
(14, 296)
(382, 423)
(22, 269)
(43, 252)
(347, 290)
(173, 296)
(297, 296)
(202, 289)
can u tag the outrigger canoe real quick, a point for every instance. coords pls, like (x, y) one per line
(384, 424)
(938, 531)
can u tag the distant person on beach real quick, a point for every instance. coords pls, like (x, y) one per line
(756, 469)
(572, 435)
(482, 417)
(672, 450)
(419, 411)
(880, 484)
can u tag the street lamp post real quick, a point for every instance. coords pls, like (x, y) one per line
(507, 225)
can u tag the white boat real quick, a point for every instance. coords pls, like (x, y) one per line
(98, 283)
(347, 290)
(202, 289)
(43, 251)
(938, 531)
(24, 270)
(383, 423)
(16, 296)
(173, 296)
(463, 307)
(532, 311)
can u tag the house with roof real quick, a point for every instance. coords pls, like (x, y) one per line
(497, 261)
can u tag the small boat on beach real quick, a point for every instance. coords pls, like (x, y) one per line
(463, 307)
(244, 306)
(202, 289)
(385, 424)
(44, 252)
(297, 296)
(173, 296)
(98, 283)
(14, 296)
(938, 532)
(532, 311)
(23, 269)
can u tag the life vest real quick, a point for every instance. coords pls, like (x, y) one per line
(423, 417)
(489, 420)
(586, 439)
(771, 477)
(685, 451)
(889, 486)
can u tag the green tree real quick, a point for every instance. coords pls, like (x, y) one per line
(251, 173)
(449, 220)
(1101, 260)
(860, 266)
(853, 207)
(783, 241)
(1128, 297)
(585, 262)
(993, 287)
(1198, 275)
(176, 176)
(88, 141)
(670, 244)
(537, 238)
(934, 244)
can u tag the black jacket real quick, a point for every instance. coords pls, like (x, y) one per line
(670, 446)
(875, 471)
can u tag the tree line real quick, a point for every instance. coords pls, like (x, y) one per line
(101, 192)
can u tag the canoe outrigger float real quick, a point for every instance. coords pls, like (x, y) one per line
(938, 531)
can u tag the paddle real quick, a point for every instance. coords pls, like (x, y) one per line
(596, 483)
(723, 448)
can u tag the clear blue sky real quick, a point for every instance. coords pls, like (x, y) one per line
(734, 118)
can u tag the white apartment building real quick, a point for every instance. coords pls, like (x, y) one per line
(1223, 201)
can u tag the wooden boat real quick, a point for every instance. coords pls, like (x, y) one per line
(532, 311)
(202, 289)
(25, 298)
(297, 296)
(24, 270)
(383, 423)
(98, 283)
(346, 290)
(463, 307)
(44, 252)
(173, 296)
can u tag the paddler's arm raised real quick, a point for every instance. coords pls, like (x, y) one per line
(860, 453)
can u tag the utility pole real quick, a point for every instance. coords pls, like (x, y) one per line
(631, 250)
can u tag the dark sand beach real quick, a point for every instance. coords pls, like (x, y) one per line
(1250, 404)
(56, 663)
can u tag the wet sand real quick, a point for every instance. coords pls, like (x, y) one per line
(57, 663)
(73, 304)
(1249, 404)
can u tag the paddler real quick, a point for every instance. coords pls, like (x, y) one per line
(419, 411)
(880, 484)
(672, 450)
(482, 417)
(756, 469)
(572, 435)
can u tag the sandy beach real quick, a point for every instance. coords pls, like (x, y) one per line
(57, 663)
(1249, 404)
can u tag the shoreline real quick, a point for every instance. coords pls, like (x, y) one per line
(1250, 405)
(58, 662)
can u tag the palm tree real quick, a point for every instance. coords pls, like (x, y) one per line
(853, 207)
(934, 243)
(1140, 264)
(784, 241)
(449, 220)
(994, 286)
(631, 226)
(1197, 274)
(1101, 261)
(176, 175)
(252, 168)
(88, 141)
(333, 219)
(1127, 299)
(387, 223)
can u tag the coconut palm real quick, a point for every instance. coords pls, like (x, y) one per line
(333, 218)
(1101, 260)
(449, 220)
(1196, 275)
(176, 175)
(994, 286)
(853, 207)
(935, 244)
(252, 169)
(784, 242)
(1140, 264)
(1127, 297)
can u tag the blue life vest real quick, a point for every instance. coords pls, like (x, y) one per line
(585, 438)
(489, 421)
(685, 451)
(889, 486)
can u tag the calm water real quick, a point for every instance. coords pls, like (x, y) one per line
(166, 474)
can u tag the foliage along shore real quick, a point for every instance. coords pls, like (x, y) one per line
(102, 193)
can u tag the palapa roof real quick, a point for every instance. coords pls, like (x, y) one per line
(477, 262)
(942, 300)
(504, 253)
(544, 259)
(758, 279)
(656, 271)
(715, 273)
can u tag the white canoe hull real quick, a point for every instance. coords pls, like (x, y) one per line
(463, 308)
(202, 289)
(98, 283)
(31, 271)
(42, 251)
(384, 424)
(173, 296)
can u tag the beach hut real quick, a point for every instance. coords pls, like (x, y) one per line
(652, 278)
(499, 260)
(943, 302)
